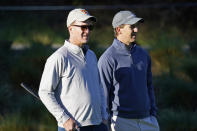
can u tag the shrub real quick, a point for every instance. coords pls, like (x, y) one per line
(5, 98)
(170, 120)
(5, 55)
(176, 93)
(27, 65)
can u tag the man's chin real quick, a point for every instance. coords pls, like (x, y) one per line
(133, 40)
(85, 41)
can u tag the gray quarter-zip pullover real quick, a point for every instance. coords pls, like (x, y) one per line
(70, 86)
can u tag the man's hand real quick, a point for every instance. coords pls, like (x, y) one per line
(70, 125)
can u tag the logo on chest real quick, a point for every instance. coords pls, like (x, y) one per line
(140, 65)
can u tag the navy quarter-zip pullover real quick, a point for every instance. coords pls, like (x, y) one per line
(127, 80)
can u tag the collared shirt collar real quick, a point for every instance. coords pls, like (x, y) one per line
(76, 49)
(85, 48)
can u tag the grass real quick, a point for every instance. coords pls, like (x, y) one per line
(20, 111)
(19, 122)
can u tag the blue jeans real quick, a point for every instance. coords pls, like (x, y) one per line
(101, 127)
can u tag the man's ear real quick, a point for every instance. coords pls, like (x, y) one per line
(118, 30)
(70, 28)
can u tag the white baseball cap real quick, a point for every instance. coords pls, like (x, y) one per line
(79, 15)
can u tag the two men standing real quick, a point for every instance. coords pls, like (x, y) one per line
(72, 90)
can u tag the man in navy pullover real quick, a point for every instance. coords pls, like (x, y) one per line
(125, 71)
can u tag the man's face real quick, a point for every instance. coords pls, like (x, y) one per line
(129, 32)
(79, 32)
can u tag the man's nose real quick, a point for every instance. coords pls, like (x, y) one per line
(135, 29)
(87, 30)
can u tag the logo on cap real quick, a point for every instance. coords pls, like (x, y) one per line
(84, 11)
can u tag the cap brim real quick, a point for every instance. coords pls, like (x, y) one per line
(92, 18)
(134, 21)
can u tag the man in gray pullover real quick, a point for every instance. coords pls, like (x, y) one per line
(70, 86)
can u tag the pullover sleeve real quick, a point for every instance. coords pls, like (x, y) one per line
(153, 110)
(105, 72)
(103, 107)
(103, 104)
(49, 82)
